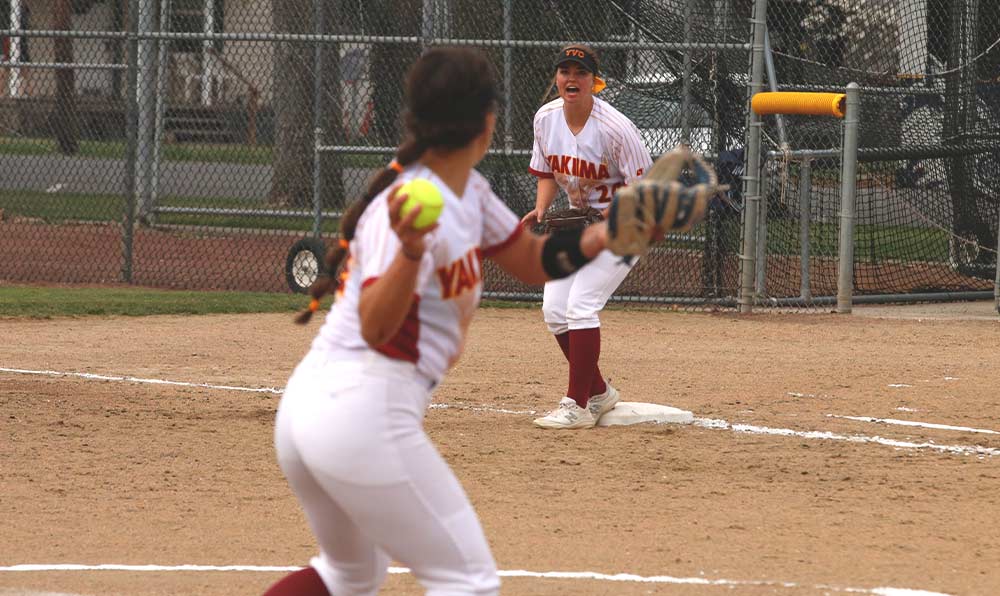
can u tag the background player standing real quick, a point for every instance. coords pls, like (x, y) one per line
(589, 149)
(349, 431)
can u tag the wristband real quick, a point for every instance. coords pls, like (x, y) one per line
(561, 254)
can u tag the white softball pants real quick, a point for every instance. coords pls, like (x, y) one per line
(350, 440)
(574, 302)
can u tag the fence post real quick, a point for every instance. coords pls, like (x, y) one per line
(146, 91)
(805, 188)
(751, 178)
(131, 145)
(760, 285)
(686, 81)
(14, 82)
(319, 28)
(996, 285)
(162, 68)
(848, 190)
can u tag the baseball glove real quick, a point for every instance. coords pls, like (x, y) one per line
(570, 219)
(673, 195)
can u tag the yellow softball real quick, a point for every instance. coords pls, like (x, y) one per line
(423, 192)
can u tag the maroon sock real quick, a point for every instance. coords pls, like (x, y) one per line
(584, 374)
(304, 582)
(598, 386)
(563, 339)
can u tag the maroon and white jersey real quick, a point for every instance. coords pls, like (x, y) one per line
(590, 166)
(449, 283)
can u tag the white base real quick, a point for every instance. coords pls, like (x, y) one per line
(630, 412)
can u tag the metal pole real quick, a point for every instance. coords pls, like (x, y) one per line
(760, 283)
(751, 178)
(686, 81)
(996, 285)
(131, 130)
(318, 117)
(207, 58)
(14, 82)
(163, 52)
(805, 188)
(772, 79)
(848, 189)
(508, 34)
(147, 107)
(427, 24)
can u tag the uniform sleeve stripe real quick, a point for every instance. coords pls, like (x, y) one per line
(405, 344)
(540, 174)
(492, 250)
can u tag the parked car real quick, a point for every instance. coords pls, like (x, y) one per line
(660, 120)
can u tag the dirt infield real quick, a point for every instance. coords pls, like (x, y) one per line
(784, 485)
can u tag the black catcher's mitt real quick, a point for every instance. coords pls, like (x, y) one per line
(673, 195)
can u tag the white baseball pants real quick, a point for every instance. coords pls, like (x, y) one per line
(574, 302)
(350, 440)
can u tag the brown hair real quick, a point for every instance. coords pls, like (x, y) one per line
(551, 92)
(449, 92)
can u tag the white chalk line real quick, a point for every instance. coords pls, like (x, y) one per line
(55, 373)
(584, 575)
(829, 436)
(702, 422)
(965, 429)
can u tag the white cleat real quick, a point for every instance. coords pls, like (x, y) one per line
(603, 403)
(568, 415)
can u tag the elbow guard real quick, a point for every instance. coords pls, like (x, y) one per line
(561, 254)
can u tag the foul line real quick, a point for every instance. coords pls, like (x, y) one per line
(965, 429)
(829, 436)
(55, 373)
(618, 577)
(702, 422)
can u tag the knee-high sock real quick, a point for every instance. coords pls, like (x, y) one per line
(304, 582)
(584, 375)
(563, 339)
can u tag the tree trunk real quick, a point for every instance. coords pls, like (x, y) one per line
(293, 123)
(338, 18)
(64, 118)
(389, 63)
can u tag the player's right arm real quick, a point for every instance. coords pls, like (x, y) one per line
(386, 299)
(544, 195)
(539, 167)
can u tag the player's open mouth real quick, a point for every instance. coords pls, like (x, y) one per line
(572, 89)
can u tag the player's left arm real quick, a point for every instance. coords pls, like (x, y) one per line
(531, 258)
(535, 259)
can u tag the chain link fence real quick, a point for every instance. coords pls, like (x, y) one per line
(212, 144)
(926, 195)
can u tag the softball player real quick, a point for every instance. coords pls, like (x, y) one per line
(349, 431)
(589, 149)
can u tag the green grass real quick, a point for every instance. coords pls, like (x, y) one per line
(47, 302)
(200, 152)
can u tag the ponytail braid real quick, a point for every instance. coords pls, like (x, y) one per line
(410, 151)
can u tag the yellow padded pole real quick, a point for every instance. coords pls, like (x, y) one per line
(791, 102)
